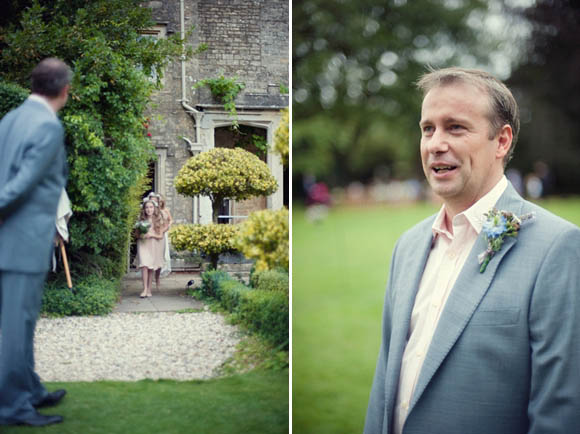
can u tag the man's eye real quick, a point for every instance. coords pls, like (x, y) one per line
(427, 129)
(455, 127)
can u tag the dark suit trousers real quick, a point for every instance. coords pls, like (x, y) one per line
(20, 302)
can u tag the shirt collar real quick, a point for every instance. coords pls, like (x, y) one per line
(42, 100)
(473, 214)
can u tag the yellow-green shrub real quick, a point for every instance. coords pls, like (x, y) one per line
(222, 173)
(264, 236)
(211, 239)
(281, 137)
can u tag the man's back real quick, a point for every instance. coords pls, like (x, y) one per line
(32, 175)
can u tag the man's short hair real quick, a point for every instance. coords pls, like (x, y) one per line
(49, 77)
(503, 106)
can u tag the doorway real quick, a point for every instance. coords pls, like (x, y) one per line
(251, 139)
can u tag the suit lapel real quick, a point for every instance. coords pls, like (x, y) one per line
(468, 291)
(413, 264)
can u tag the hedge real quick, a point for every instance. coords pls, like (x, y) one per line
(231, 293)
(11, 96)
(263, 311)
(93, 296)
(210, 282)
(267, 313)
(270, 280)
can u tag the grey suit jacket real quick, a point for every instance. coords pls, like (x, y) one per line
(505, 356)
(32, 176)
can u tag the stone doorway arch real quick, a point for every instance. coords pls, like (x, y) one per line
(253, 139)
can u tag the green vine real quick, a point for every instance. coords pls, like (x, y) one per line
(226, 90)
(255, 144)
(260, 143)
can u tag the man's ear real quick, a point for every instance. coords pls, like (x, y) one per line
(504, 141)
(65, 90)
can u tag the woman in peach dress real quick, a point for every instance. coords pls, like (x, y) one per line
(167, 220)
(150, 246)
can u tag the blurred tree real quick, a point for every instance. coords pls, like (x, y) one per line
(355, 64)
(548, 90)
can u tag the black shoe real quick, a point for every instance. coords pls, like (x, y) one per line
(39, 420)
(51, 399)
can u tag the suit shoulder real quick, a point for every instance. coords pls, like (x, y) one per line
(547, 220)
(546, 233)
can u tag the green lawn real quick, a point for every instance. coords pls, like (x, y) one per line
(339, 272)
(251, 403)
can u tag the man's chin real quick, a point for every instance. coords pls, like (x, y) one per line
(444, 189)
(446, 194)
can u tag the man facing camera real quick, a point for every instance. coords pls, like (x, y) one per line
(481, 322)
(32, 177)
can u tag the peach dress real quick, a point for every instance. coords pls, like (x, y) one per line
(150, 251)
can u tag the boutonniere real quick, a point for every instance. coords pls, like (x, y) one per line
(497, 226)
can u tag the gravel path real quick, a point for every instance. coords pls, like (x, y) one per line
(133, 346)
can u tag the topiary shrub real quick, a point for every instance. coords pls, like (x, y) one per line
(11, 96)
(264, 236)
(221, 173)
(93, 296)
(211, 239)
(266, 313)
(270, 280)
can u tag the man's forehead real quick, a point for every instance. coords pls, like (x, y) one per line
(448, 119)
(455, 100)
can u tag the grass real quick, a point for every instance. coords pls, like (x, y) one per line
(339, 273)
(256, 402)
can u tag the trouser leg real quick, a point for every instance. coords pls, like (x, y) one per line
(20, 386)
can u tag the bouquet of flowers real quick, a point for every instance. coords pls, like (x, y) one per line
(142, 227)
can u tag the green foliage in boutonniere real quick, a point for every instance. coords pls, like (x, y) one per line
(497, 226)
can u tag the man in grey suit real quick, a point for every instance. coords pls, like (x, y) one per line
(481, 322)
(32, 177)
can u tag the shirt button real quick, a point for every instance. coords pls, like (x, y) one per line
(405, 406)
(451, 255)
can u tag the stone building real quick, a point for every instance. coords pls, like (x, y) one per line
(246, 39)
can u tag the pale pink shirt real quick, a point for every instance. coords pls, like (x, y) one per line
(446, 259)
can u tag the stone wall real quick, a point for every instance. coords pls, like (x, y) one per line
(247, 39)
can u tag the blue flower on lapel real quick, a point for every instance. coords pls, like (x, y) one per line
(497, 226)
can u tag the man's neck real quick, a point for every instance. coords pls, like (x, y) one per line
(55, 104)
(45, 101)
(453, 208)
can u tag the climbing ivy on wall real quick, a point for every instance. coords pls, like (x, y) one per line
(225, 90)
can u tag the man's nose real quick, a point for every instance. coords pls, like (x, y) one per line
(438, 142)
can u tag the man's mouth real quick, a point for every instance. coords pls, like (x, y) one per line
(443, 169)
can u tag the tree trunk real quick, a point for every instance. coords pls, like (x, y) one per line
(213, 259)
